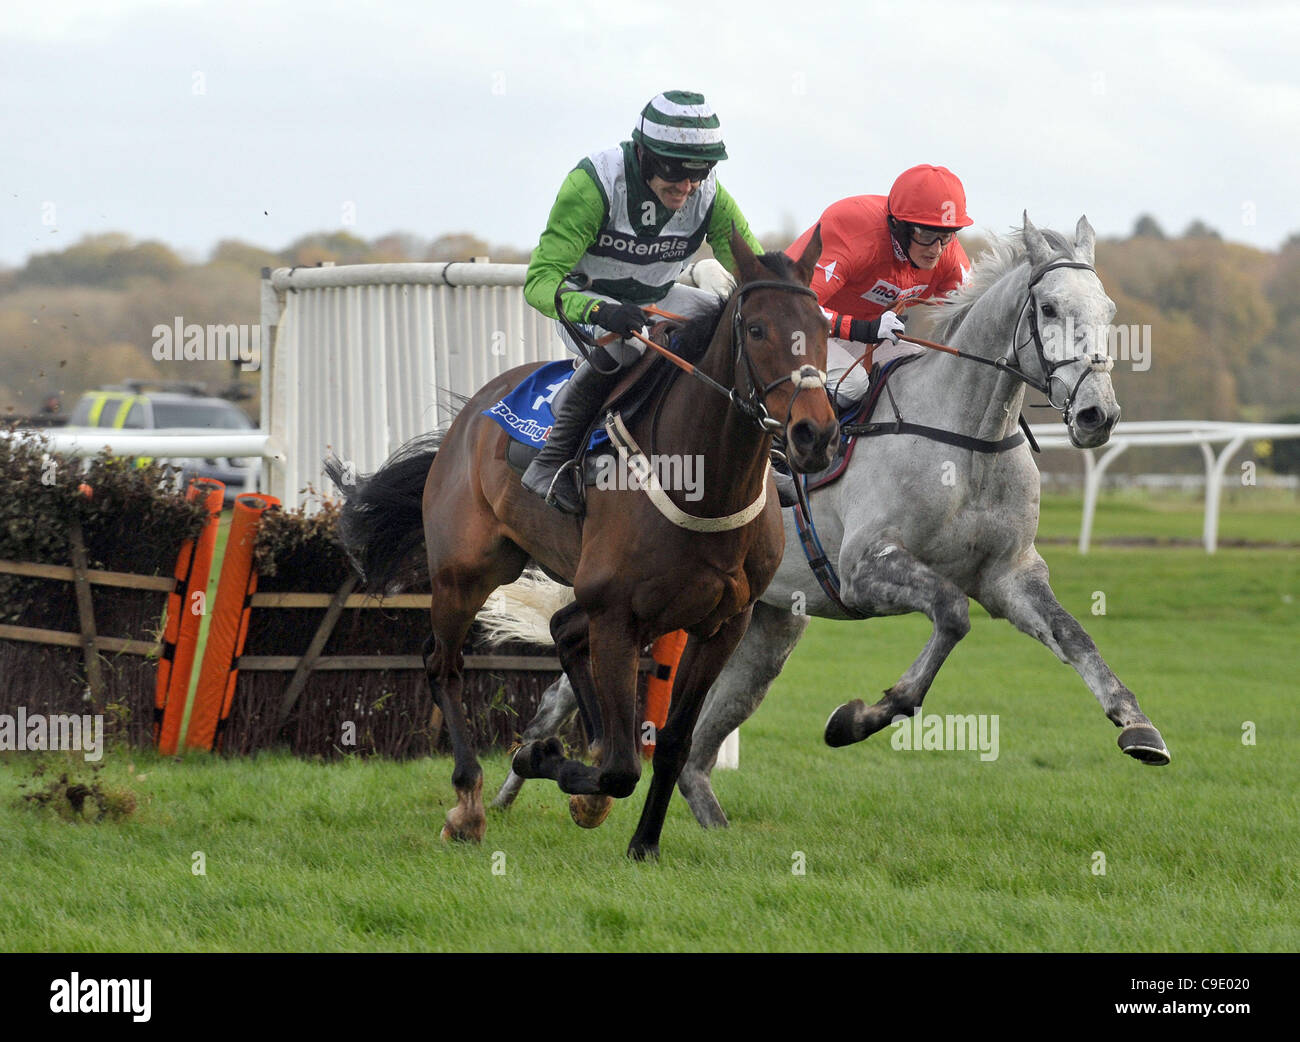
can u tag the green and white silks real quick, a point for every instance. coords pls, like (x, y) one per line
(608, 223)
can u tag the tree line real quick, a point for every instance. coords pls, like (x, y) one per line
(1222, 320)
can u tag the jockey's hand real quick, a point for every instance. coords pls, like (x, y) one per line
(623, 319)
(876, 330)
(712, 276)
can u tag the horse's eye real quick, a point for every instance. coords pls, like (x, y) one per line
(1049, 311)
(756, 331)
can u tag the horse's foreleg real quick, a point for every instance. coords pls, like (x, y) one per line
(1026, 599)
(700, 665)
(736, 694)
(556, 710)
(571, 629)
(613, 659)
(885, 579)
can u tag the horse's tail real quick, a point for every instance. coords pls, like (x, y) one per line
(523, 610)
(382, 522)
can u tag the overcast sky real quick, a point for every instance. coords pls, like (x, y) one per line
(192, 121)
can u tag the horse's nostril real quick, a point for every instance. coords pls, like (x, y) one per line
(1090, 419)
(812, 443)
(802, 436)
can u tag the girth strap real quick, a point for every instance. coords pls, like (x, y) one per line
(961, 441)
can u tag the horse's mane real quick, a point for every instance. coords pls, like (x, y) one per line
(693, 339)
(1003, 253)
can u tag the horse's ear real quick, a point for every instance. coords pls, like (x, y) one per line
(807, 261)
(1085, 240)
(1036, 244)
(747, 266)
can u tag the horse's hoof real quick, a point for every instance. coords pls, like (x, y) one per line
(839, 728)
(530, 759)
(643, 851)
(472, 833)
(702, 800)
(1143, 742)
(590, 812)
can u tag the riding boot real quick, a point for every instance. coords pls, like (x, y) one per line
(548, 474)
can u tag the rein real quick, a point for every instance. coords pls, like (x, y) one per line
(1008, 364)
(753, 404)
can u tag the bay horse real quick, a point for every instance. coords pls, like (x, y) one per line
(635, 573)
(920, 524)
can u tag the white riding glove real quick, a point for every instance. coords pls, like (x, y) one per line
(876, 330)
(712, 276)
(889, 326)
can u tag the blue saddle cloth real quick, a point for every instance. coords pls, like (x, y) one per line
(525, 413)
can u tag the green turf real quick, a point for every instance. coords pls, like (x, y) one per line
(903, 850)
(1246, 513)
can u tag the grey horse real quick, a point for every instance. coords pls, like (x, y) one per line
(917, 524)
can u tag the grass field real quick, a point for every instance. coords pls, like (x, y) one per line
(900, 850)
(1246, 514)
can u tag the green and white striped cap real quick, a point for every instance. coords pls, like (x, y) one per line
(681, 124)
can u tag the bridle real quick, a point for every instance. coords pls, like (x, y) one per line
(1097, 361)
(754, 404)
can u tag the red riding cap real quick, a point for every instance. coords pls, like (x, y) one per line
(930, 195)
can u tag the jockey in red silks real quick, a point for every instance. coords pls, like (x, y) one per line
(879, 253)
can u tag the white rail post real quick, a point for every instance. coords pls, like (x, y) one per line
(1213, 486)
(1093, 472)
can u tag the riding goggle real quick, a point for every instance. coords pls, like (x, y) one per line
(674, 170)
(923, 235)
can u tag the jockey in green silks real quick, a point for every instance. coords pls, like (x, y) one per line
(630, 218)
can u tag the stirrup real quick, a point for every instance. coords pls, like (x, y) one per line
(552, 500)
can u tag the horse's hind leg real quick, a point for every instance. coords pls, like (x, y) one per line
(1026, 599)
(744, 681)
(557, 708)
(443, 666)
(887, 580)
(459, 590)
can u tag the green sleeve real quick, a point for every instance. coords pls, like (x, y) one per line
(570, 230)
(726, 213)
